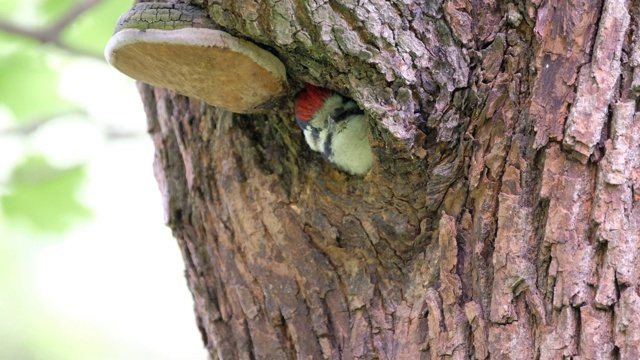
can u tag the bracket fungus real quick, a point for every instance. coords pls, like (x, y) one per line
(176, 46)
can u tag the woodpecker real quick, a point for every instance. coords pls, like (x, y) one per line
(334, 126)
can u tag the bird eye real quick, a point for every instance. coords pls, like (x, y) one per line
(338, 113)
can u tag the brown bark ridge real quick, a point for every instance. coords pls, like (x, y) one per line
(499, 220)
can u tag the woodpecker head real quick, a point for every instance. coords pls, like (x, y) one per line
(315, 106)
(335, 126)
(309, 102)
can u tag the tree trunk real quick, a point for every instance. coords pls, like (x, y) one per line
(499, 218)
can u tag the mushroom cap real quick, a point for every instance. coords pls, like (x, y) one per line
(211, 65)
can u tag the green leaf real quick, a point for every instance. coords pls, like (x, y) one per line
(45, 196)
(8, 7)
(92, 30)
(52, 10)
(29, 85)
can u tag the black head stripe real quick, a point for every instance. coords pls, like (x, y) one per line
(341, 113)
(316, 134)
(327, 151)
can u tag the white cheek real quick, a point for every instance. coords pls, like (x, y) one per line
(308, 136)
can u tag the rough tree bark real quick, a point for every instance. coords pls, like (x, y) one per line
(499, 220)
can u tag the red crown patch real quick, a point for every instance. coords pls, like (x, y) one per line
(309, 101)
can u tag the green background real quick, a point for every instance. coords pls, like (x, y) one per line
(87, 269)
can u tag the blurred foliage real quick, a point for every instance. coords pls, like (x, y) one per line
(50, 10)
(92, 31)
(36, 192)
(29, 86)
(42, 178)
(45, 195)
(38, 198)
